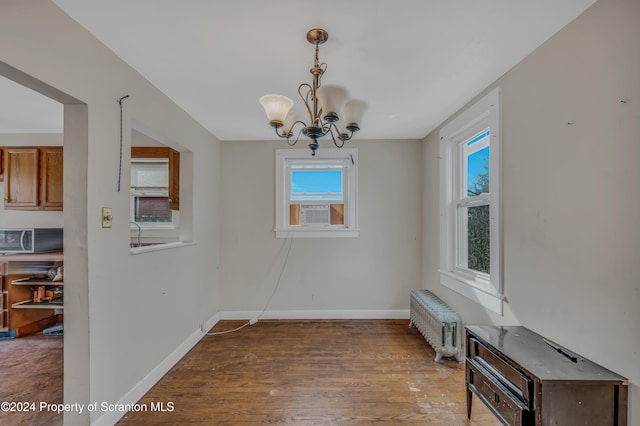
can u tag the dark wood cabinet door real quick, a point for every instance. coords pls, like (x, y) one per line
(174, 179)
(51, 167)
(21, 178)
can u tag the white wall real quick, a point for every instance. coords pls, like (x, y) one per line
(29, 219)
(374, 272)
(571, 193)
(142, 307)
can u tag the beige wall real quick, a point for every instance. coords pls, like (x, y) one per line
(571, 193)
(130, 312)
(373, 272)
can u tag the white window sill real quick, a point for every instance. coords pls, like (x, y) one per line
(480, 292)
(327, 232)
(159, 247)
(153, 228)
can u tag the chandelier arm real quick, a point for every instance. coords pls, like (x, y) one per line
(343, 136)
(305, 99)
(321, 124)
(282, 135)
(318, 84)
(333, 137)
(297, 137)
(290, 133)
(326, 127)
(334, 126)
(295, 124)
(323, 67)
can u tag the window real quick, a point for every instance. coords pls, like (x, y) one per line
(160, 192)
(309, 182)
(316, 196)
(150, 193)
(470, 203)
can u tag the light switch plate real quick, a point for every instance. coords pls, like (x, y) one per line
(107, 217)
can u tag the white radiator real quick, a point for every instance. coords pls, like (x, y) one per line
(440, 325)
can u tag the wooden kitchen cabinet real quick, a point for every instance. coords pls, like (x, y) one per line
(33, 178)
(51, 167)
(21, 181)
(174, 179)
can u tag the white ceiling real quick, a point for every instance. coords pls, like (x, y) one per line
(415, 62)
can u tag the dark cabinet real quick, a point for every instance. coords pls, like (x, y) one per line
(51, 168)
(174, 179)
(33, 178)
(21, 178)
(525, 379)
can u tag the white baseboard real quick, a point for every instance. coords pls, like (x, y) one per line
(138, 391)
(330, 314)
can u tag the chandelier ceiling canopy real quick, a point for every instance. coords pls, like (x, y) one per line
(326, 105)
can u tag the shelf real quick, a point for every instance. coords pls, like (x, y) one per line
(30, 304)
(36, 281)
(33, 257)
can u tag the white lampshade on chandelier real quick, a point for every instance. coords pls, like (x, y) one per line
(326, 105)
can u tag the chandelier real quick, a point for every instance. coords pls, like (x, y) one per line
(324, 105)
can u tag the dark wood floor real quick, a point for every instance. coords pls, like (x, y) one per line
(312, 373)
(31, 371)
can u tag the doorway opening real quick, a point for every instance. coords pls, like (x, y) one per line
(73, 140)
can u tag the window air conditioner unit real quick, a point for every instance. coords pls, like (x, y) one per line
(314, 214)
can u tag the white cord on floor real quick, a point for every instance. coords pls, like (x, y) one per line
(228, 331)
(275, 289)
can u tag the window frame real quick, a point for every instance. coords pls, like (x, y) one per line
(463, 201)
(485, 289)
(286, 159)
(151, 191)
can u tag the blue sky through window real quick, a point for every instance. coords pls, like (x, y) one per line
(316, 184)
(477, 164)
(478, 138)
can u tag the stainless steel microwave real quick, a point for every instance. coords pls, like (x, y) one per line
(30, 240)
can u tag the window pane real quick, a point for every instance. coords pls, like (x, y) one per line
(152, 209)
(478, 138)
(316, 184)
(478, 172)
(478, 247)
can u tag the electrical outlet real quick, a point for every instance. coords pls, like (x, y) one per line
(107, 217)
